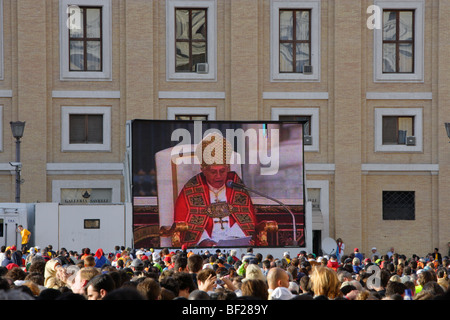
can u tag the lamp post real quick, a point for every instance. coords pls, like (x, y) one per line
(17, 128)
(447, 127)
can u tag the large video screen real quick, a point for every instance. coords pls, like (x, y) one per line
(224, 184)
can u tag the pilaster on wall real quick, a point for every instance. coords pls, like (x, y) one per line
(244, 59)
(32, 95)
(347, 122)
(443, 116)
(139, 62)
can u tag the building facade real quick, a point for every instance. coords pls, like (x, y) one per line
(371, 77)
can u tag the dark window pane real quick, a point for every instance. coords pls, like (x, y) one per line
(198, 117)
(95, 128)
(306, 125)
(86, 128)
(390, 130)
(77, 128)
(398, 205)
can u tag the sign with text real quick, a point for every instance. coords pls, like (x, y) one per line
(86, 195)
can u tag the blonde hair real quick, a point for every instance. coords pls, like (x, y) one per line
(325, 282)
(87, 273)
(254, 272)
(89, 261)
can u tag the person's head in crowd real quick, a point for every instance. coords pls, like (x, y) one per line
(206, 279)
(124, 293)
(325, 283)
(99, 286)
(395, 287)
(82, 278)
(89, 261)
(195, 263)
(150, 289)
(170, 283)
(199, 295)
(180, 263)
(423, 277)
(255, 288)
(185, 283)
(253, 271)
(277, 277)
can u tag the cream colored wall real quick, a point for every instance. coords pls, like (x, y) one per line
(409, 237)
(31, 71)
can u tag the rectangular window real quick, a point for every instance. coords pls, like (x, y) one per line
(398, 205)
(396, 129)
(85, 42)
(395, 126)
(191, 117)
(86, 128)
(190, 39)
(295, 40)
(306, 126)
(191, 113)
(310, 128)
(398, 41)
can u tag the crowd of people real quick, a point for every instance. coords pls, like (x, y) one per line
(151, 274)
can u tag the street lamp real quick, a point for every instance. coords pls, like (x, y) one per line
(447, 127)
(17, 128)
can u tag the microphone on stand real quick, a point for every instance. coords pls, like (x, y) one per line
(235, 185)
